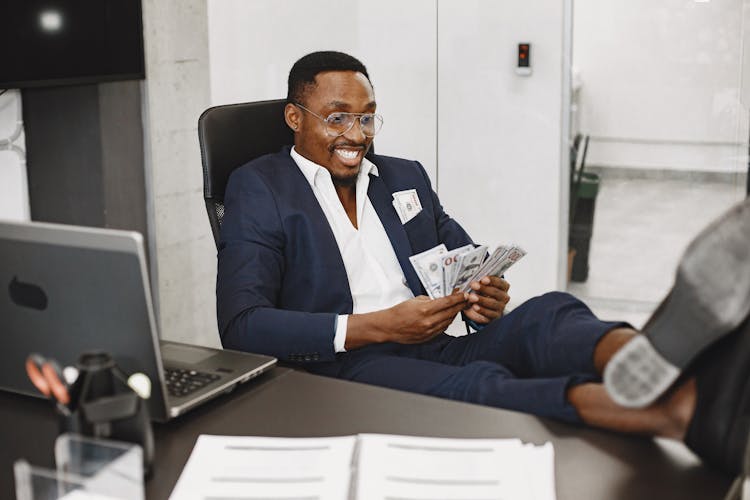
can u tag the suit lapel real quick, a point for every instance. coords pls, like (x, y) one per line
(381, 200)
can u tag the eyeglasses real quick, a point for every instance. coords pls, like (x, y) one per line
(339, 123)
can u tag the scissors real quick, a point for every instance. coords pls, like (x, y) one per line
(47, 377)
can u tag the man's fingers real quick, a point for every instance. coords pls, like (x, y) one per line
(445, 317)
(501, 298)
(450, 313)
(487, 308)
(488, 283)
(489, 291)
(488, 303)
(440, 312)
(449, 301)
(495, 281)
(477, 317)
(493, 311)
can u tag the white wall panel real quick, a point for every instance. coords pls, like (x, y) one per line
(500, 133)
(254, 44)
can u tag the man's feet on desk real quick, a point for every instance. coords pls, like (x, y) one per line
(710, 298)
(698, 342)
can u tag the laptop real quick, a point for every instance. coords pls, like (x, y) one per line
(66, 289)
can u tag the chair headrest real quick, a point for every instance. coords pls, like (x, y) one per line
(233, 134)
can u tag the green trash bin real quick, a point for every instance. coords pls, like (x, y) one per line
(582, 224)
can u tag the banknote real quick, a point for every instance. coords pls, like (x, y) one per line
(407, 204)
(486, 266)
(449, 265)
(420, 264)
(468, 264)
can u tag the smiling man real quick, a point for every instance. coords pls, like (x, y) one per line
(314, 269)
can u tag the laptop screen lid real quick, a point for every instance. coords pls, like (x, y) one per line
(68, 289)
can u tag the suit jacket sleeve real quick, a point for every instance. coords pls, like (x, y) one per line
(250, 276)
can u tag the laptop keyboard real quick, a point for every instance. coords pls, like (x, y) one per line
(181, 382)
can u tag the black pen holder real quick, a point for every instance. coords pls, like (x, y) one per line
(104, 406)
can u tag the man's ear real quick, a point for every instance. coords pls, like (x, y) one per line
(293, 117)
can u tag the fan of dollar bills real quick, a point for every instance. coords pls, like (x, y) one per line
(442, 271)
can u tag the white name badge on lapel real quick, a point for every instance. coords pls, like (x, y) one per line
(407, 204)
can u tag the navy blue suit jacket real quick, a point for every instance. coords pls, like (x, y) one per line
(281, 281)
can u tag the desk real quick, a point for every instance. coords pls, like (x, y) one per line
(589, 463)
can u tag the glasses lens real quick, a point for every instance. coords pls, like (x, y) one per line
(339, 123)
(370, 124)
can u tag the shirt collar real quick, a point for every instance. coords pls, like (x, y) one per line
(312, 170)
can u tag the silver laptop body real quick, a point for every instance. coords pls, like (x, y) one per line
(66, 289)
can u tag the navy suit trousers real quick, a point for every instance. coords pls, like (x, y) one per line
(524, 361)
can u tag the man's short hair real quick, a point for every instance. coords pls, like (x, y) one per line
(302, 74)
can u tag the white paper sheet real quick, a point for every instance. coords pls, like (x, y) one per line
(416, 468)
(261, 467)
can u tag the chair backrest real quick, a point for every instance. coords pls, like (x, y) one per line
(231, 136)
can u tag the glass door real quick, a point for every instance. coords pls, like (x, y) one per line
(660, 108)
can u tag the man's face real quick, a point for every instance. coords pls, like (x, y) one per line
(346, 91)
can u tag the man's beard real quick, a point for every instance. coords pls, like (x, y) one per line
(346, 181)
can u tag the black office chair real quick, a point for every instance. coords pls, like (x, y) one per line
(231, 136)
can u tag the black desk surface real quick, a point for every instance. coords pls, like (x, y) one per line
(589, 463)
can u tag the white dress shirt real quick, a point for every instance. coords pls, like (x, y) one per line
(376, 280)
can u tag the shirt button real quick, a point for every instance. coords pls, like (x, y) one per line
(403, 281)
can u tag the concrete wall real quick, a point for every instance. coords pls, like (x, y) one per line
(176, 92)
(661, 83)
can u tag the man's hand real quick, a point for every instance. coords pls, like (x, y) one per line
(410, 322)
(421, 318)
(487, 299)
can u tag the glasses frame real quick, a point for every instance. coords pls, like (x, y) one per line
(358, 115)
